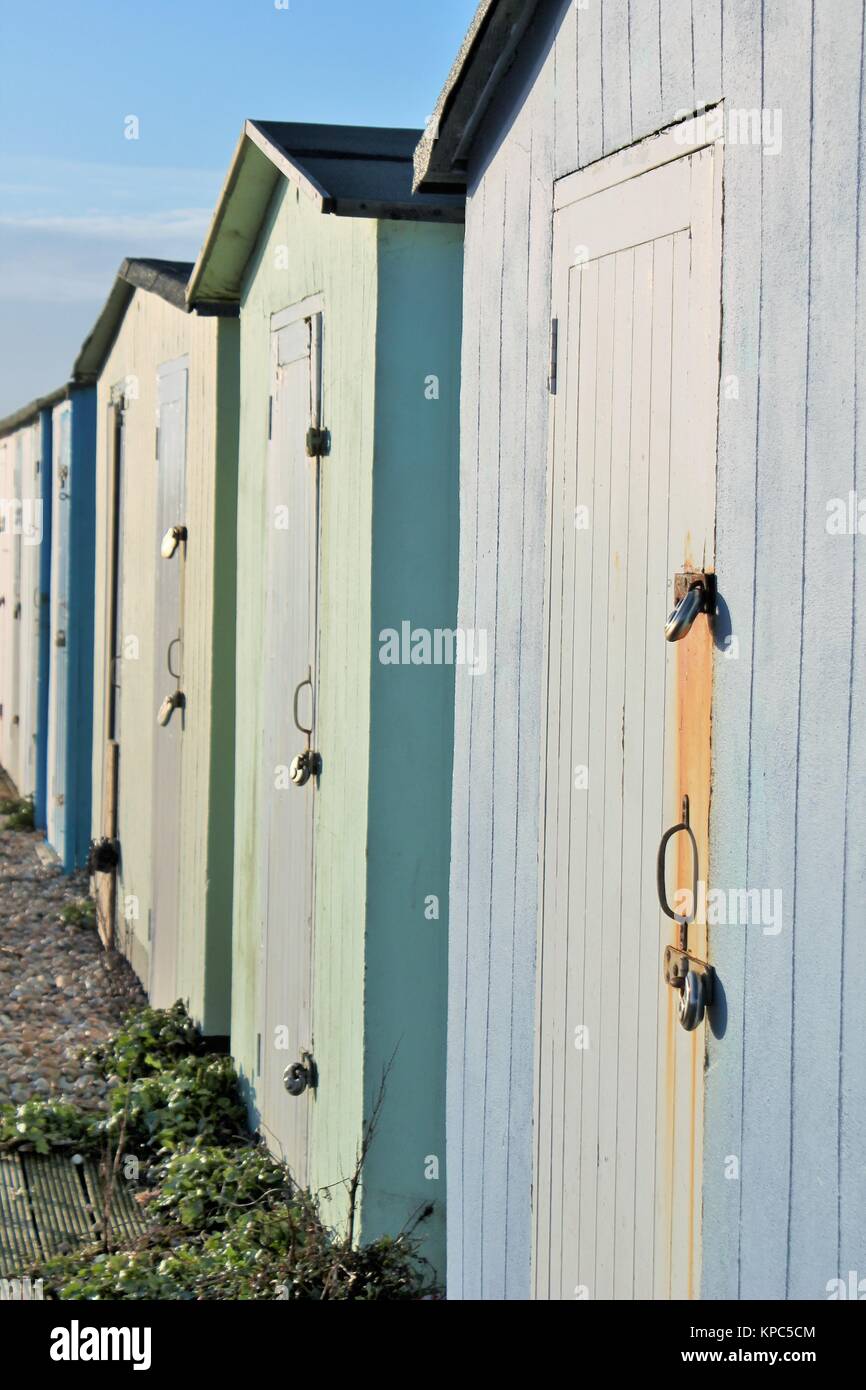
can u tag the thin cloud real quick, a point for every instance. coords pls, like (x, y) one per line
(179, 222)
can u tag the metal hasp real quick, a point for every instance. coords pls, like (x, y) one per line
(682, 971)
(694, 593)
(301, 1076)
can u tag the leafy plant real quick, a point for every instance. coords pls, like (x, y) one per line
(207, 1188)
(19, 812)
(283, 1253)
(80, 913)
(148, 1041)
(195, 1100)
(46, 1124)
(228, 1220)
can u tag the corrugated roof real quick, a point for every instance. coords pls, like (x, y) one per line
(31, 411)
(347, 171)
(485, 56)
(168, 279)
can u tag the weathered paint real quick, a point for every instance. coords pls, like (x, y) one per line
(390, 303)
(152, 333)
(617, 1184)
(70, 699)
(784, 1094)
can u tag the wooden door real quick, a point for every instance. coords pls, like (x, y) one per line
(62, 485)
(619, 1084)
(106, 883)
(7, 601)
(168, 700)
(289, 810)
(31, 603)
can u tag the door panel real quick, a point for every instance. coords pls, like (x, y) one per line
(168, 680)
(631, 502)
(62, 484)
(7, 587)
(289, 811)
(31, 603)
(106, 883)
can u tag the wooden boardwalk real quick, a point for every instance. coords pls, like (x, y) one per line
(49, 1205)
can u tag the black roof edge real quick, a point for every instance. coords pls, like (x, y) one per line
(168, 279)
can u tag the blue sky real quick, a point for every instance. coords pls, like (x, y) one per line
(76, 196)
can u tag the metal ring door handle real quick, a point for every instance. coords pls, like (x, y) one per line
(308, 680)
(175, 642)
(660, 868)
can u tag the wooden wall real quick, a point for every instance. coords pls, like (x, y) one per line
(786, 1082)
(154, 332)
(301, 253)
(21, 479)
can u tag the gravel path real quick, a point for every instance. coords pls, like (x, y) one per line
(59, 990)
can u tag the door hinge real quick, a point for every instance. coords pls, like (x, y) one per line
(270, 416)
(156, 443)
(554, 353)
(258, 1054)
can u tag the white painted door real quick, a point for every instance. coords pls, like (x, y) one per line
(109, 919)
(290, 685)
(169, 707)
(631, 484)
(62, 484)
(7, 602)
(30, 605)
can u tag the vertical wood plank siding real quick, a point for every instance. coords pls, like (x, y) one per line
(337, 258)
(154, 332)
(785, 1087)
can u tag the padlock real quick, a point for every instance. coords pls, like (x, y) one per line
(692, 1001)
(304, 766)
(682, 617)
(694, 593)
(299, 1076)
(171, 540)
(168, 706)
(296, 1079)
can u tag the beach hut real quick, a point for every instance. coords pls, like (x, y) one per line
(659, 418)
(69, 715)
(25, 571)
(163, 711)
(350, 292)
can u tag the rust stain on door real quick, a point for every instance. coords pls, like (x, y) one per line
(694, 688)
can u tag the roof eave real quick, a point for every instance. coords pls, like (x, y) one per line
(98, 343)
(487, 53)
(202, 291)
(29, 413)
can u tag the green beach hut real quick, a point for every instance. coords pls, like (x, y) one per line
(350, 311)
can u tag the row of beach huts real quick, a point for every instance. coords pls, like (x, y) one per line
(333, 600)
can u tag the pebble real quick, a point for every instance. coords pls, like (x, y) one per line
(59, 989)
